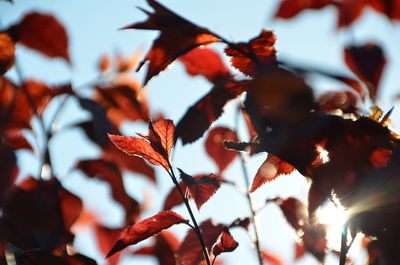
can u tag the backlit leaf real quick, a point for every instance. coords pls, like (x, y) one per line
(226, 244)
(106, 237)
(215, 147)
(270, 258)
(43, 33)
(367, 62)
(270, 169)
(201, 188)
(206, 62)
(174, 198)
(295, 212)
(190, 251)
(204, 112)
(260, 48)
(290, 8)
(145, 229)
(177, 37)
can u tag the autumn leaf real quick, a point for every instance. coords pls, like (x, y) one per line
(346, 101)
(110, 173)
(145, 229)
(367, 62)
(155, 148)
(199, 117)
(201, 188)
(259, 51)
(105, 238)
(315, 242)
(270, 169)
(190, 251)
(206, 62)
(42, 32)
(295, 212)
(215, 147)
(167, 47)
(9, 169)
(290, 8)
(7, 51)
(226, 244)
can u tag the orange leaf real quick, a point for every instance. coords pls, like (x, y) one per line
(145, 229)
(206, 62)
(7, 50)
(161, 136)
(261, 47)
(43, 33)
(270, 169)
(271, 259)
(177, 37)
(215, 147)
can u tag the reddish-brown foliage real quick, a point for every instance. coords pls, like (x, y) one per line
(226, 243)
(215, 146)
(145, 229)
(43, 33)
(166, 48)
(270, 258)
(7, 51)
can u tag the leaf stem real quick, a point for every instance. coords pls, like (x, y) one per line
(195, 227)
(253, 215)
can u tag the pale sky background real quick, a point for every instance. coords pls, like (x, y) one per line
(310, 39)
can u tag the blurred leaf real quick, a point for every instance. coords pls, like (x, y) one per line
(7, 51)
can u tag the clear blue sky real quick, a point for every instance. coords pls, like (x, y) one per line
(92, 26)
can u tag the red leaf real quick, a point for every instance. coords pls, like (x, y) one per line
(161, 136)
(215, 147)
(271, 259)
(16, 140)
(226, 244)
(122, 102)
(290, 8)
(190, 251)
(299, 250)
(139, 147)
(350, 11)
(295, 212)
(109, 172)
(206, 62)
(131, 163)
(204, 112)
(272, 168)
(201, 188)
(241, 222)
(343, 100)
(145, 229)
(367, 62)
(7, 50)
(43, 33)
(380, 157)
(314, 240)
(106, 238)
(261, 47)
(174, 197)
(177, 37)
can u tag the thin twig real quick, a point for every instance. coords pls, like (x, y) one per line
(196, 227)
(253, 216)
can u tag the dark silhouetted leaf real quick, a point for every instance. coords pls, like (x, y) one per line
(43, 33)
(261, 48)
(206, 62)
(145, 229)
(177, 37)
(367, 62)
(314, 240)
(201, 188)
(79, 259)
(270, 169)
(7, 50)
(226, 244)
(215, 147)
(204, 112)
(190, 251)
(109, 172)
(41, 257)
(9, 170)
